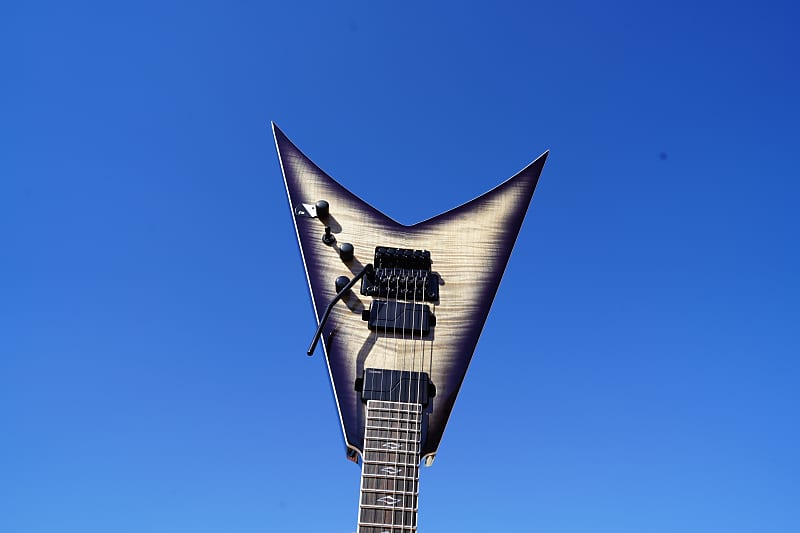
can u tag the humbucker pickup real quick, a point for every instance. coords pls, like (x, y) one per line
(399, 317)
(395, 386)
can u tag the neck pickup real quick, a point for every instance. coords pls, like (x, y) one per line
(395, 386)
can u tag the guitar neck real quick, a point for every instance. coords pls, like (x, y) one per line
(390, 468)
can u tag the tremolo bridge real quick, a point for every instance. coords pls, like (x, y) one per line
(401, 274)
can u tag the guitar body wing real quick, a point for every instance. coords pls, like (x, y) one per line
(468, 247)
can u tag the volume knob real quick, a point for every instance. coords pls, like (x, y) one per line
(340, 283)
(323, 208)
(346, 251)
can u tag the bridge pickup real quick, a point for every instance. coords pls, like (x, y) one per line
(399, 317)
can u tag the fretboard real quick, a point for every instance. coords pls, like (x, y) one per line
(390, 468)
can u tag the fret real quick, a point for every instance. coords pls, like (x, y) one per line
(387, 517)
(390, 468)
(392, 442)
(393, 433)
(389, 423)
(392, 458)
(393, 414)
(407, 486)
(396, 406)
(389, 500)
(392, 445)
(378, 418)
(386, 529)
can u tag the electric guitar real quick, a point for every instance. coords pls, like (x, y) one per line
(399, 312)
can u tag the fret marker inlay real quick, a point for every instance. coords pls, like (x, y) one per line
(389, 500)
(390, 475)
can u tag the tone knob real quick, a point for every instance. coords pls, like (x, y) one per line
(346, 251)
(341, 283)
(323, 208)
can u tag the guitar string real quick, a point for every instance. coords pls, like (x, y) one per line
(409, 401)
(376, 336)
(415, 483)
(386, 343)
(384, 366)
(399, 423)
(365, 481)
(414, 428)
(412, 399)
(416, 441)
(393, 455)
(405, 436)
(391, 303)
(387, 369)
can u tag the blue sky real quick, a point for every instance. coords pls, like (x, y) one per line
(639, 369)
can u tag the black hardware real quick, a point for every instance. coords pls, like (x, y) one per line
(341, 283)
(403, 284)
(403, 274)
(328, 238)
(323, 208)
(346, 251)
(395, 386)
(339, 295)
(402, 258)
(399, 317)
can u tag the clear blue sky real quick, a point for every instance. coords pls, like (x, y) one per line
(638, 372)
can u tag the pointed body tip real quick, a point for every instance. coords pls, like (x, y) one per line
(535, 167)
(281, 140)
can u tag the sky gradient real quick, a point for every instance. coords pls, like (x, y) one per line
(638, 371)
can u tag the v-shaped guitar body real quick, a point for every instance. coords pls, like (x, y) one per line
(434, 304)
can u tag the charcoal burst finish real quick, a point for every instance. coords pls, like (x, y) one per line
(469, 248)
